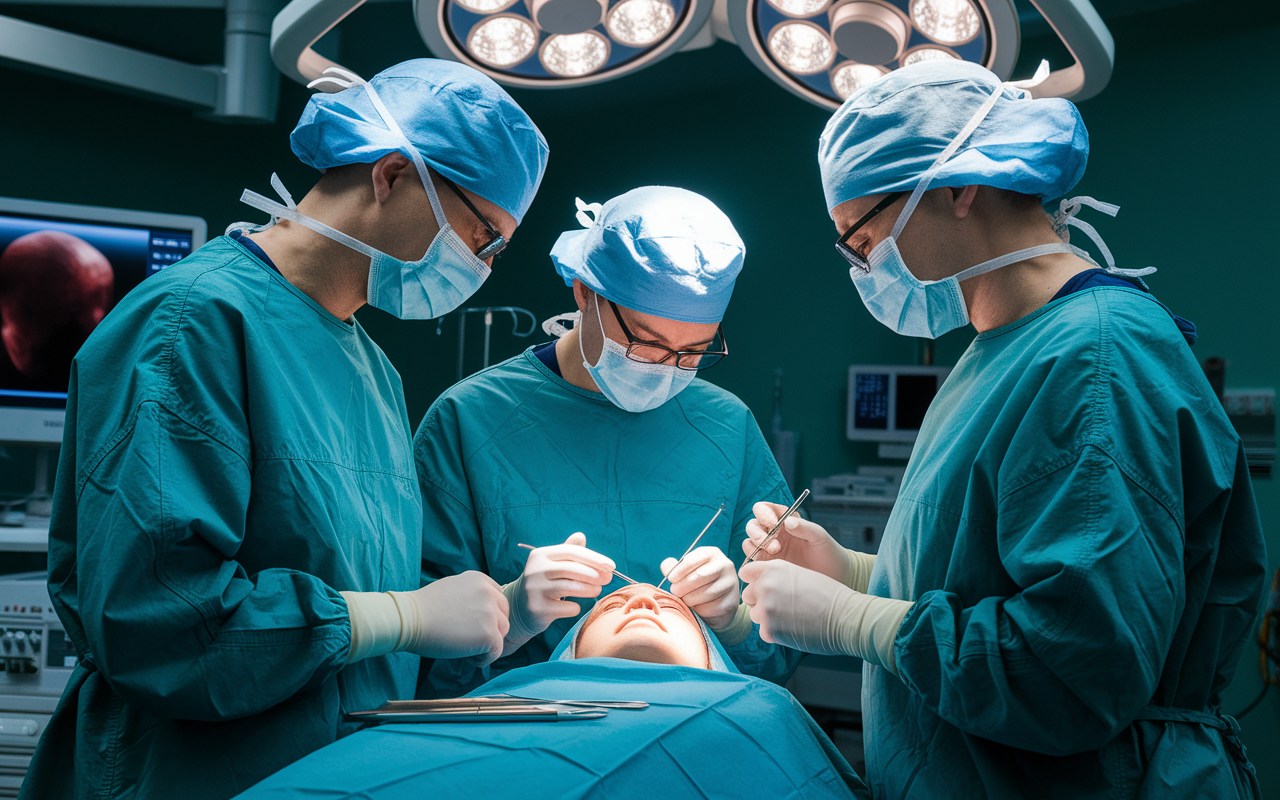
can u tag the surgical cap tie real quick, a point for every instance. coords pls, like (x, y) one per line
(1065, 219)
(595, 209)
(554, 326)
(266, 205)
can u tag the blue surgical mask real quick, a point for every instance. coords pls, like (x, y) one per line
(632, 385)
(912, 307)
(446, 275)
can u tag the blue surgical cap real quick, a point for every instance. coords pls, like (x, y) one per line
(466, 127)
(659, 250)
(889, 132)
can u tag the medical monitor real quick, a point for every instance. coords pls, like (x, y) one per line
(888, 403)
(62, 268)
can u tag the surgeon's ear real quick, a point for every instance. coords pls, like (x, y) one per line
(387, 171)
(581, 295)
(962, 200)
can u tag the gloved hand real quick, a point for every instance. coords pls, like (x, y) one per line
(808, 611)
(455, 617)
(551, 574)
(708, 581)
(806, 544)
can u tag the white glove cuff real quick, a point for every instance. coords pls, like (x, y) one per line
(411, 622)
(738, 629)
(869, 626)
(859, 570)
(375, 624)
(522, 628)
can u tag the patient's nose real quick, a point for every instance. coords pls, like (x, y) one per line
(639, 601)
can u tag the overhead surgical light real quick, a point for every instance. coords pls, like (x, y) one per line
(577, 41)
(822, 50)
(871, 38)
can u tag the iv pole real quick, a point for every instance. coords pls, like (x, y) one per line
(488, 312)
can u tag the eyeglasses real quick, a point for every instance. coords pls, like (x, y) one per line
(853, 256)
(654, 353)
(497, 242)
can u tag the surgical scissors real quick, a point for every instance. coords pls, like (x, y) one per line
(615, 572)
(695, 544)
(774, 531)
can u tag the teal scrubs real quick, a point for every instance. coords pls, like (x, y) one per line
(515, 454)
(1078, 531)
(234, 456)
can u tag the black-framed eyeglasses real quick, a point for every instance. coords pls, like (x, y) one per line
(853, 256)
(653, 353)
(497, 242)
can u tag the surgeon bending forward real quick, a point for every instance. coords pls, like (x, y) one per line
(236, 492)
(1075, 558)
(608, 433)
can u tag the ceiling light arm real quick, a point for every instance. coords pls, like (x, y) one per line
(299, 26)
(1086, 37)
(243, 89)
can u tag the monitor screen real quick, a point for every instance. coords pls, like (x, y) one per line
(915, 393)
(58, 279)
(888, 403)
(63, 268)
(871, 401)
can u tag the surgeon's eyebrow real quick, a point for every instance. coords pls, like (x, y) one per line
(659, 337)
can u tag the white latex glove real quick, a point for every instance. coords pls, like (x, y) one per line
(708, 582)
(455, 617)
(806, 544)
(808, 611)
(551, 574)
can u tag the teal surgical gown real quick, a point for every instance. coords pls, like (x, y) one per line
(234, 456)
(1078, 531)
(515, 454)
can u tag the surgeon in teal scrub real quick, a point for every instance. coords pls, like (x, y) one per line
(234, 541)
(604, 450)
(1075, 558)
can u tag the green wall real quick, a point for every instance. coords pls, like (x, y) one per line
(1183, 140)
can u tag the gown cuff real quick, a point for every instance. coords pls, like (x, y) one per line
(375, 624)
(738, 629)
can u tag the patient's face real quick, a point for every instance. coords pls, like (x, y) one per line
(641, 622)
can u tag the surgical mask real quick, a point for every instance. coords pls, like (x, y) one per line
(446, 275)
(928, 309)
(632, 385)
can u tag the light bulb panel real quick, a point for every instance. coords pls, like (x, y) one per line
(994, 45)
(446, 25)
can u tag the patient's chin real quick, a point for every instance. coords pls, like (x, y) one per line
(653, 647)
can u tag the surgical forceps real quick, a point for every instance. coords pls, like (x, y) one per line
(774, 531)
(615, 572)
(690, 549)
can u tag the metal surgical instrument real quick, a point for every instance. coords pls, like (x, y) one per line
(615, 572)
(774, 531)
(695, 544)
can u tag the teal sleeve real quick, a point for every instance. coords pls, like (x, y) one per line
(451, 539)
(172, 621)
(1062, 664)
(761, 480)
